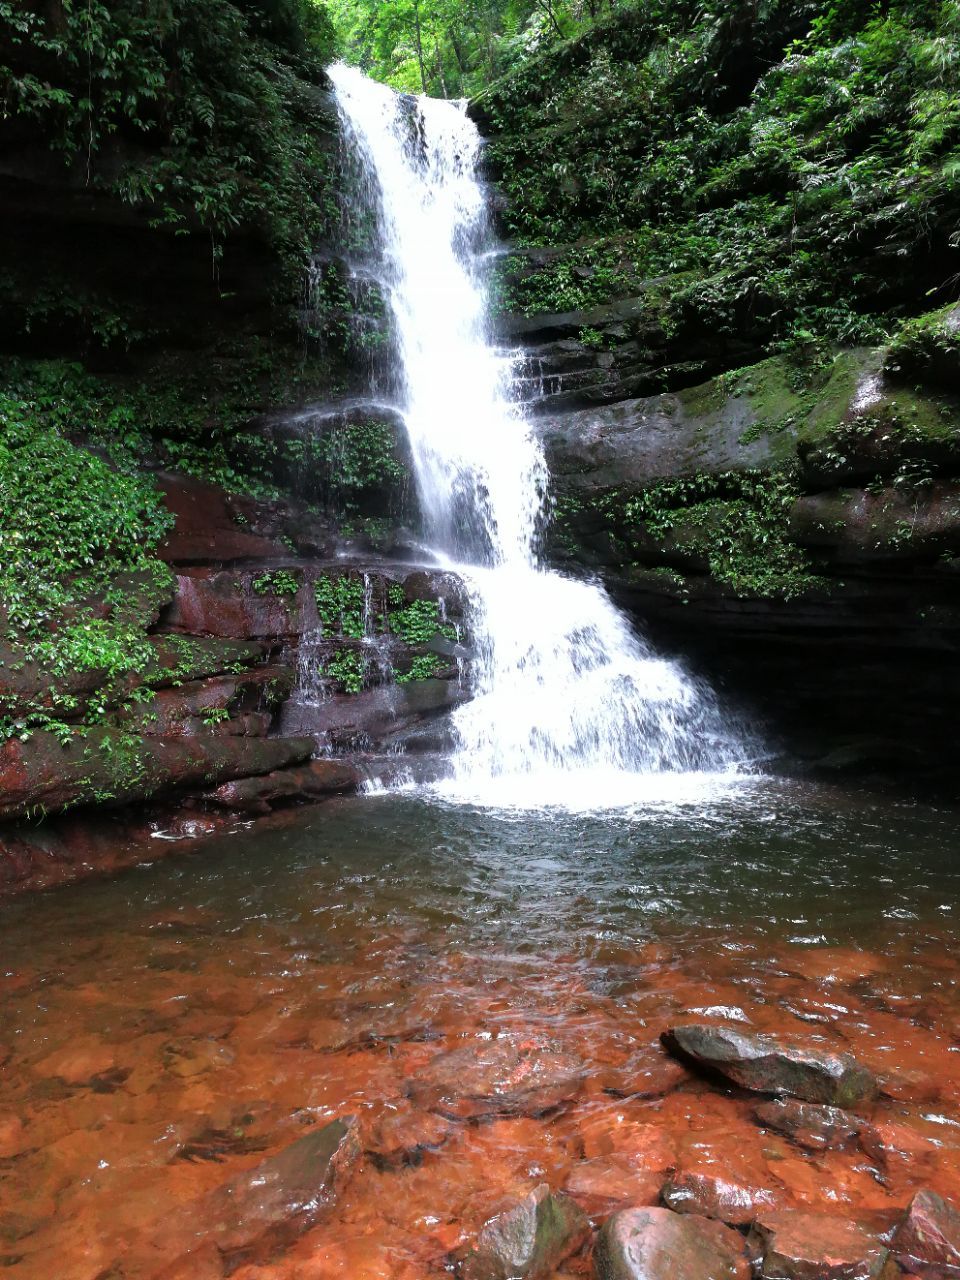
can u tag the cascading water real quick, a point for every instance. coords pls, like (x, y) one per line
(570, 705)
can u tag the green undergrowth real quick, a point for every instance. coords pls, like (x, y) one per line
(790, 169)
(205, 114)
(738, 522)
(78, 536)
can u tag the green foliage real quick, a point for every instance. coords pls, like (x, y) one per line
(210, 107)
(791, 173)
(279, 582)
(452, 48)
(424, 667)
(341, 605)
(419, 622)
(738, 521)
(346, 669)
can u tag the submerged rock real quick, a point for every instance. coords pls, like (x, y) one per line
(605, 1184)
(929, 1236)
(400, 1137)
(304, 782)
(764, 1065)
(265, 1208)
(807, 1124)
(498, 1077)
(527, 1241)
(656, 1244)
(714, 1197)
(794, 1245)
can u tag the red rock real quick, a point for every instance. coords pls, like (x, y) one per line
(527, 1241)
(655, 1244)
(896, 1147)
(765, 1065)
(205, 526)
(650, 1073)
(78, 1062)
(306, 782)
(13, 1139)
(795, 1245)
(497, 1077)
(41, 774)
(399, 1137)
(814, 1127)
(226, 604)
(247, 1218)
(604, 1185)
(710, 1196)
(929, 1236)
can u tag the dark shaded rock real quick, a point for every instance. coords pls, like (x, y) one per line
(263, 1209)
(242, 703)
(497, 1077)
(794, 1245)
(527, 1241)
(655, 1244)
(808, 1125)
(928, 1240)
(764, 1065)
(105, 766)
(714, 1197)
(307, 782)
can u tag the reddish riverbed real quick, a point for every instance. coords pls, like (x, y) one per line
(165, 1030)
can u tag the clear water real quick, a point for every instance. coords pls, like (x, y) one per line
(569, 700)
(168, 1028)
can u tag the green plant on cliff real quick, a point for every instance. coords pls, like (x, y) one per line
(202, 112)
(341, 605)
(346, 670)
(793, 171)
(739, 523)
(278, 582)
(419, 622)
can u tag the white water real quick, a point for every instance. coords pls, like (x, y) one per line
(570, 706)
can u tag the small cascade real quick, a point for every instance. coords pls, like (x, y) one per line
(566, 696)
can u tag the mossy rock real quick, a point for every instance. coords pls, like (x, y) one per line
(927, 348)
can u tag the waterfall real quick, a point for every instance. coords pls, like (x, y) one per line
(569, 701)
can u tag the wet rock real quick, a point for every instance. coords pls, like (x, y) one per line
(710, 1196)
(764, 1065)
(656, 1244)
(259, 1211)
(498, 1077)
(794, 1245)
(608, 1183)
(227, 605)
(401, 1137)
(107, 767)
(207, 525)
(928, 1239)
(222, 704)
(78, 1062)
(527, 1241)
(896, 1147)
(651, 1073)
(13, 1139)
(306, 782)
(814, 1127)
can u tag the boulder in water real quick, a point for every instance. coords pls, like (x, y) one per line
(795, 1245)
(527, 1241)
(656, 1244)
(266, 1207)
(928, 1239)
(764, 1065)
(807, 1124)
(711, 1196)
(498, 1077)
